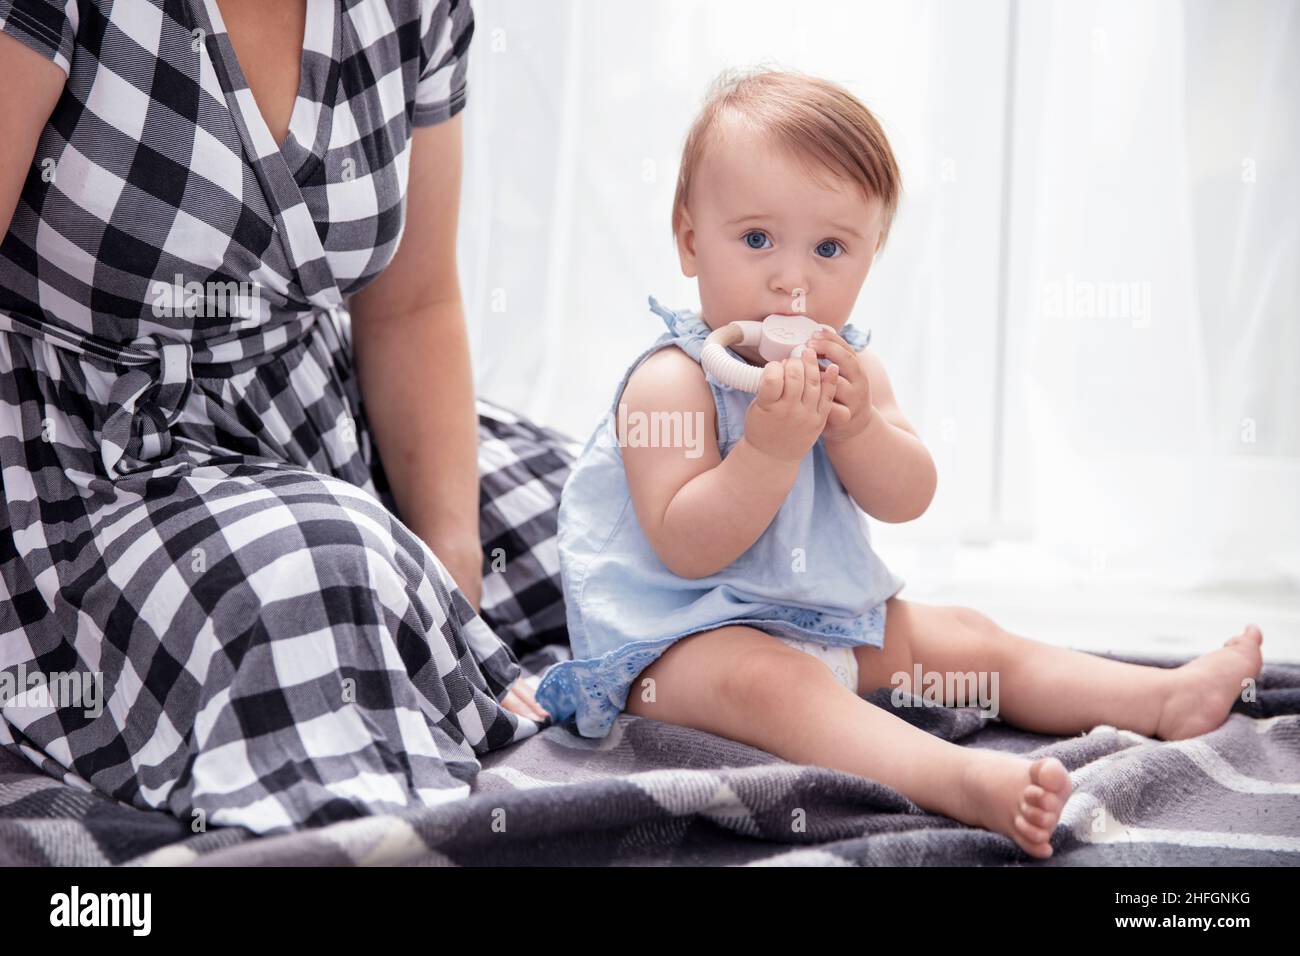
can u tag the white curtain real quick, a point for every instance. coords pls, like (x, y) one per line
(1135, 156)
(1153, 330)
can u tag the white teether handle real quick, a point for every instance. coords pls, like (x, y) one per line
(778, 337)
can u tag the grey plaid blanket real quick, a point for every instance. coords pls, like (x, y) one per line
(653, 794)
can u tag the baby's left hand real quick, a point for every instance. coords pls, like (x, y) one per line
(851, 411)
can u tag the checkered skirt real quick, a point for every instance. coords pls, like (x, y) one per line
(208, 604)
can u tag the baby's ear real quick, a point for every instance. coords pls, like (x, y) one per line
(686, 246)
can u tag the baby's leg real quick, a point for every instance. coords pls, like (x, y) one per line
(740, 683)
(1054, 690)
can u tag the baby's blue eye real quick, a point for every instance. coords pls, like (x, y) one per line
(756, 234)
(829, 249)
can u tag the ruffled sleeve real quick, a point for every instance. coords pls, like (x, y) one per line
(444, 60)
(856, 338)
(684, 324)
(46, 26)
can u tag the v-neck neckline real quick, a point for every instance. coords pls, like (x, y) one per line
(307, 135)
(282, 171)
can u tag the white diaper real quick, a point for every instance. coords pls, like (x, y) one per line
(841, 660)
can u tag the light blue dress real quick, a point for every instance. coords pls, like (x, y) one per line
(812, 575)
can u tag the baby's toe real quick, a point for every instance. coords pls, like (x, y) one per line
(1250, 637)
(1036, 796)
(1031, 832)
(1050, 774)
(1039, 818)
(1047, 802)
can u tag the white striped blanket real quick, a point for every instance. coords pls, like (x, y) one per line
(652, 794)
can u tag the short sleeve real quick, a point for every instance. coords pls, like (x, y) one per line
(47, 26)
(444, 58)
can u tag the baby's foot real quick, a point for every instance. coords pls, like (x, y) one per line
(1203, 690)
(1020, 798)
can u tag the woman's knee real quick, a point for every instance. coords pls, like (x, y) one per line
(316, 540)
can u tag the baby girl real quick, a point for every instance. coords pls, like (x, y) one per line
(729, 583)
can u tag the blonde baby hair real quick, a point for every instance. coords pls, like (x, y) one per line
(815, 119)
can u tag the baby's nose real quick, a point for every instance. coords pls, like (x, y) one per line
(787, 280)
(792, 286)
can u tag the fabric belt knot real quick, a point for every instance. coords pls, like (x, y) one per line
(145, 402)
(155, 373)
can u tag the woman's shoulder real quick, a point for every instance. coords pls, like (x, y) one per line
(434, 40)
(421, 22)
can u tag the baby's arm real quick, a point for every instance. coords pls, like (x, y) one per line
(885, 467)
(701, 513)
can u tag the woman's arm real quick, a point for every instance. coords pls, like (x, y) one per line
(413, 365)
(30, 86)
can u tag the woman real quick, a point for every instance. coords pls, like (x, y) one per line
(208, 334)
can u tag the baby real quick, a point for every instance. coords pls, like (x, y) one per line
(717, 570)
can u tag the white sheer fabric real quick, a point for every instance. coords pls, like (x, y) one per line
(1153, 430)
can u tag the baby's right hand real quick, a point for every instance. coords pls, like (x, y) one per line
(789, 412)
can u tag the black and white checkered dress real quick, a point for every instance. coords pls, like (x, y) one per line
(194, 513)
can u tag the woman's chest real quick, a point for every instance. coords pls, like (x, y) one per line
(268, 42)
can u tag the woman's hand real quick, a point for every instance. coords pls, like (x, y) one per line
(519, 699)
(852, 411)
